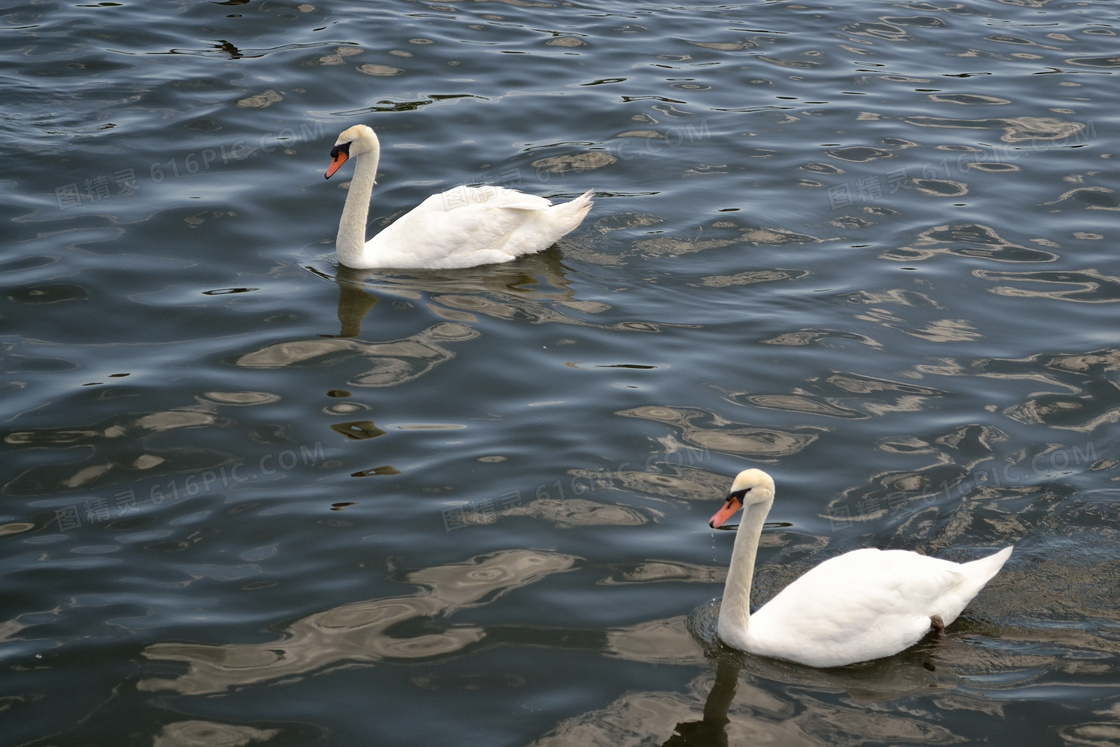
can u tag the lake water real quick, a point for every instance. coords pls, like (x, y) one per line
(249, 497)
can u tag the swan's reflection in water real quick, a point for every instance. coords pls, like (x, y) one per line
(745, 699)
(725, 707)
(526, 288)
(358, 632)
(712, 728)
(354, 302)
(735, 701)
(533, 289)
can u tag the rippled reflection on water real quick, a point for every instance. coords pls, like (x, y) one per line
(251, 497)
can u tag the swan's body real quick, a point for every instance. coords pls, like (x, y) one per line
(860, 606)
(463, 227)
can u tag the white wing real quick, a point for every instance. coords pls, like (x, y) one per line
(470, 226)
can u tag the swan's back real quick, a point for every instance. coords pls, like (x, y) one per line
(470, 226)
(864, 605)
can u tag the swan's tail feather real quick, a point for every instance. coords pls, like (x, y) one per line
(533, 224)
(575, 210)
(976, 575)
(983, 570)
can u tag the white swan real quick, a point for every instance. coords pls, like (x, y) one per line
(463, 227)
(862, 605)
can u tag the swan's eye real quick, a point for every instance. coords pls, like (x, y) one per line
(739, 495)
(344, 149)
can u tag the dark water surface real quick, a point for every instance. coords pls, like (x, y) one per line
(251, 498)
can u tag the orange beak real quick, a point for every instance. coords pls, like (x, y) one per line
(339, 159)
(733, 504)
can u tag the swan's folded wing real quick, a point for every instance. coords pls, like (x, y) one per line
(462, 227)
(494, 197)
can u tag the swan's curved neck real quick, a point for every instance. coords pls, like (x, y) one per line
(351, 238)
(736, 606)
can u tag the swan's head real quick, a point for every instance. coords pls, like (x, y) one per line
(355, 141)
(751, 487)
